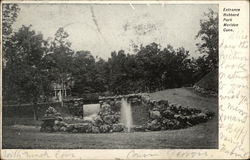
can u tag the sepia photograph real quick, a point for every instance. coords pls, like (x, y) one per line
(110, 76)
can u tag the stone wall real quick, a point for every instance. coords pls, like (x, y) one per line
(151, 115)
(165, 116)
(140, 113)
(204, 91)
(148, 115)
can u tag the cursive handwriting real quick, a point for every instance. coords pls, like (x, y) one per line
(135, 155)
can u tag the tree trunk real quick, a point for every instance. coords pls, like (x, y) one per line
(35, 111)
(62, 88)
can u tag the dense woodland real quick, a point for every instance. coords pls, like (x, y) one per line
(31, 63)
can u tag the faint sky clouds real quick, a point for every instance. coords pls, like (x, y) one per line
(102, 29)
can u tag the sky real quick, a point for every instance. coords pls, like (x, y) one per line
(103, 28)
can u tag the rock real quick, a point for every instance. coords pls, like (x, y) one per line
(156, 108)
(95, 129)
(118, 127)
(164, 103)
(118, 104)
(140, 128)
(118, 114)
(112, 103)
(63, 129)
(60, 123)
(202, 117)
(173, 108)
(104, 128)
(177, 116)
(194, 119)
(56, 128)
(100, 102)
(177, 124)
(163, 128)
(74, 131)
(105, 110)
(209, 113)
(135, 100)
(98, 121)
(90, 119)
(57, 122)
(155, 114)
(70, 127)
(51, 110)
(110, 119)
(48, 129)
(167, 123)
(58, 114)
(64, 124)
(161, 105)
(168, 113)
(196, 111)
(186, 111)
(188, 118)
(42, 129)
(145, 98)
(83, 127)
(180, 118)
(154, 125)
(179, 107)
(59, 118)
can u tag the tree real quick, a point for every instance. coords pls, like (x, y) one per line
(203, 67)
(58, 59)
(83, 72)
(209, 37)
(10, 13)
(24, 74)
(151, 68)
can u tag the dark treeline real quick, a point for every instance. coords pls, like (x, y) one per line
(32, 64)
(150, 69)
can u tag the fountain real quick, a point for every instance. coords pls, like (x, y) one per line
(126, 114)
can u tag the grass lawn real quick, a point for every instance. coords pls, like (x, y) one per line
(203, 136)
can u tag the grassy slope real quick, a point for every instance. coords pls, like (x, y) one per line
(209, 81)
(187, 97)
(199, 136)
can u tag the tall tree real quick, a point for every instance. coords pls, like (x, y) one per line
(10, 13)
(209, 37)
(58, 59)
(23, 75)
(83, 72)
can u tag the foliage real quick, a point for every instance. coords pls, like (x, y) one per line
(151, 69)
(10, 12)
(58, 57)
(34, 64)
(83, 64)
(24, 76)
(209, 36)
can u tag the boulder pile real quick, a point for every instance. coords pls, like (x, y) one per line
(51, 120)
(106, 121)
(165, 116)
(161, 116)
(204, 91)
(75, 107)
